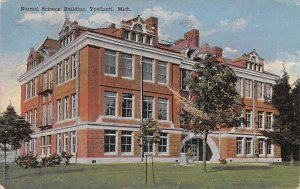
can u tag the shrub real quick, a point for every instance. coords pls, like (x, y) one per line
(222, 161)
(52, 160)
(66, 157)
(27, 161)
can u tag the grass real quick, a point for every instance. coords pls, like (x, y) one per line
(167, 175)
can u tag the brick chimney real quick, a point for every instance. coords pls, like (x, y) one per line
(192, 37)
(152, 24)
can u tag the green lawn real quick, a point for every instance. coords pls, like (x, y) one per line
(167, 175)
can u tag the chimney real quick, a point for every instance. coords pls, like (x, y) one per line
(152, 24)
(218, 51)
(192, 37)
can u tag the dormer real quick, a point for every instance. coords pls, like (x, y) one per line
(141, 31)
(34, 58)
(254, 61)
(67, 33)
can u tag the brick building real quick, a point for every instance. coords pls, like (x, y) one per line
(82, 94)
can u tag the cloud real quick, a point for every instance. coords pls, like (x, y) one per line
(297, 2)
(2, 2)
(12, 65)
(168, 20)
(49, 19)
(227, 26)
(229, 50)
(291, 61)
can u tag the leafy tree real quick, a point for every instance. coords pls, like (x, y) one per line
(286, 126)
(215, 102)
(14, 130)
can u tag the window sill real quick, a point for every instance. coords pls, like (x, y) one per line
(128, 78)
(127, 154)
(239, 155)
(110, 153)
(148, 81)
(249, 155)
(66, 120)
(31, 98)
(111, 75)
(65, 82)
(270, 155)
(163, 154)
(165, 84)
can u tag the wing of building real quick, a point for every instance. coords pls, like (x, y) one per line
(82, 95)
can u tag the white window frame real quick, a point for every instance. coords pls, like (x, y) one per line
(74, 105)
(26, 91)
(251, 146)
(239, 139)
(30, 118)
(108, 94)
(251, 123)
(261, 142)
(73, 142)
(44, 115)
(269, 91)
(116, 142)
(269, 116)
(132, 65)
(66, 70)
(59, 74)
(271, 148)
(131, 135)
(239, 89)
(107, 52)
(35, 117)
(260, 86)
(66, 107)
(34, 146)
(149, 63)
(43, 145)
(165, 145)
(50, 113)
(166, 65)
(249, 84)
(147, 100)
(188, 75)
(48, 145)
(66, 142)
(31, 89)
(35, 86)
(166, 102)
(59, 143)
(260, 113)
(74, 65)
(58, 111)
(132, 104)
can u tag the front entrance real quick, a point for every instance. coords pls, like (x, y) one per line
(195, 145)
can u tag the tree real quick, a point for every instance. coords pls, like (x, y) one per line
(215, 102)
(14, 130)
(286, 125)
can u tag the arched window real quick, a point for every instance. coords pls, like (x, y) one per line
(66, 30)
(253, 59)
(138, 27)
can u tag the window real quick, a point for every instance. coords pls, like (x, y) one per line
(50, 79)
(148, 107)
(133, 36)
(110, 62)
(50, 113)
(73, 142)
(66, 142)
(74, 105)
(253, 59)
(110, 103)
(45, 78)
(238, 86)
(261, 147)
(44, 118)
(162, 109)
(126, 141)
(240, 121)
(239, 146)
(185, 74)
(162, 72)
(30, 118)
(43, 143)
(58, 116)
(248, 146)
(74, 65)
(66, 107)
(34, 147)
(148, 40)
(35, 86)
(58, 144)
(67, 71)
(260, 120)
(48, 144)
(110, 140)
(260, 90)
(59, 74)
(126, 34)
(140, 38)
(148, 147)
(127, 108)
(269, 147)
(163, 143)
(31, 88)
(35, 117)
(248, 88)
(127, 65)
(248, 118)
(268, 91)
(269, 120)
(26, 116)
(148, 71)
(26, 91)
(138, 27)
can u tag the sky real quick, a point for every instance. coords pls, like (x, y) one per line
(272, 27)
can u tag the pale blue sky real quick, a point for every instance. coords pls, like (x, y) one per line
(272, 27)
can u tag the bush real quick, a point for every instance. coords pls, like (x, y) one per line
(52, 160)
(66, 157)
(27, 161)
(222, 161)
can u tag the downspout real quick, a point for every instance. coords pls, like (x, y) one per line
(76, 101)
(253, 119)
